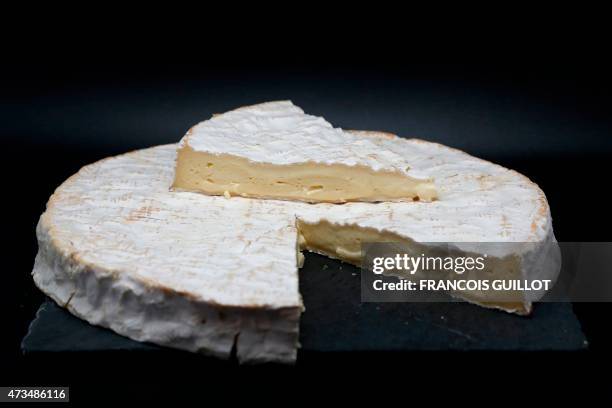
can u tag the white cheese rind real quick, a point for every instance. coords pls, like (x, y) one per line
(197, 272)
(281, 133)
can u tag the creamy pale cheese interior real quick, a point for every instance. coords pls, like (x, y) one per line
(344, 242)
(311, 182)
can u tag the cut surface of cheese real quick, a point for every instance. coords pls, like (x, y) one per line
(215, 275)
(275, 150)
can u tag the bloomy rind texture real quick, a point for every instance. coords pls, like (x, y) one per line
(145, 311)
(212, 275)
(312, 161)
(281, 133)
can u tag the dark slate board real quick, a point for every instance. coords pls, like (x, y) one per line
(336, 320)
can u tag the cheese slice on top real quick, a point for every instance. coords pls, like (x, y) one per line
(275, 150)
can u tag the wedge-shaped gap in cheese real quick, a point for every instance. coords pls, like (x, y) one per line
(274, 150)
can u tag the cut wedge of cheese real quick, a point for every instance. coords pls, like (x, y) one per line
(215, 275)
(275, 150)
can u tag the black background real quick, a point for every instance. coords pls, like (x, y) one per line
(527, 95)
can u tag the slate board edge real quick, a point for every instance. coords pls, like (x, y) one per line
(148, 347)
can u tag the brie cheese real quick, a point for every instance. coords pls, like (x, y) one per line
(275, 150)
(207, 274)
